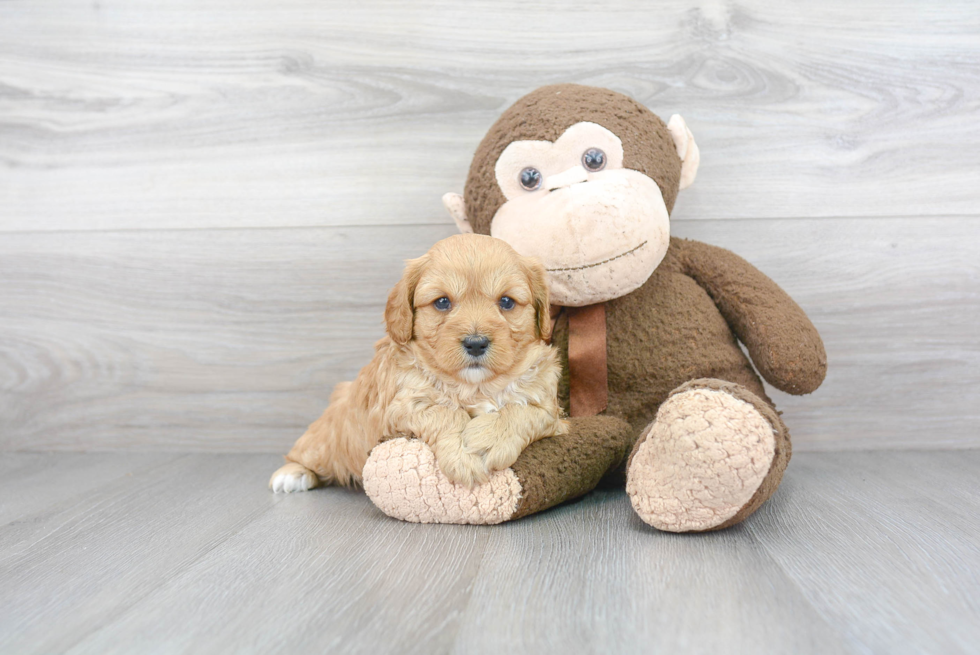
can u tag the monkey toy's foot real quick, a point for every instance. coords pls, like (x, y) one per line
(712, 456)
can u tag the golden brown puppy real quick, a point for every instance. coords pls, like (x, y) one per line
(465, 367)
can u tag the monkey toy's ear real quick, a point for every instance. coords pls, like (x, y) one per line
(687, 150)
(457, 209)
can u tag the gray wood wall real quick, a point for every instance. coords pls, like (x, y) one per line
(203, 204)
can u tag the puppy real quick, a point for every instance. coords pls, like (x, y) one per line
(465, 368)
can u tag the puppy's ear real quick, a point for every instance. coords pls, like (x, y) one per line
(400, 310)
(537, 278)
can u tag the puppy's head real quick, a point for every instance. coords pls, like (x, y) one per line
(470, 308)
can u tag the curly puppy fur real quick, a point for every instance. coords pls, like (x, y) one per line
(477, 411)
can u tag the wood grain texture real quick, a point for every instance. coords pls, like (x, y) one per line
(186, 339)
(233, 339)
(325, 573)
(80, 563)
(32, 482)
(602, 581)
(133, 115)
(878, 541)
(857, 553)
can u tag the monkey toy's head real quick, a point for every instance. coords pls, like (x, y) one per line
(583, 179)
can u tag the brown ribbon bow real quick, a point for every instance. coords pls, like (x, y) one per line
(589, 385)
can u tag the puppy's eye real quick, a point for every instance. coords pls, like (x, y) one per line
(594, 160)
(505, 303)
(530, 178)
(443, 304)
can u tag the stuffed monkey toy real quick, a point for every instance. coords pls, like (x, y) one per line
(648, 326)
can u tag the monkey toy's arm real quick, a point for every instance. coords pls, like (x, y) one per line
(783, 343)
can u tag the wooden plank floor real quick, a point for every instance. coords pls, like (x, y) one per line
(871, 552)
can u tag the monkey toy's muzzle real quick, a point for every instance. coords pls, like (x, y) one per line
(599, 239)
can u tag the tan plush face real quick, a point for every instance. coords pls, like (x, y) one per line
(599, 229)
(474, 308)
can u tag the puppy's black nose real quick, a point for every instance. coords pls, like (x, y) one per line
(475, 345)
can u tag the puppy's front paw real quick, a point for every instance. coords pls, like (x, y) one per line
(482, 433)
(483, 437)
(292, 477)
(502, 455)
(467, 469)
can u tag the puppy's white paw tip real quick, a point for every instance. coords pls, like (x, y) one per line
(291, 481)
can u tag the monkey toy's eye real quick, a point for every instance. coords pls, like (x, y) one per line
(505, 303)
(443, 304)
(530, 178)
(594, 160)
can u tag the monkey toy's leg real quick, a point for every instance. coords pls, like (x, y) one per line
(402, 478)
(714, 453)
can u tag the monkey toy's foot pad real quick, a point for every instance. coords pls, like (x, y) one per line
(402, 478)
(700, 461)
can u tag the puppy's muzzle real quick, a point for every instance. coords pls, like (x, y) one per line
(476, 345)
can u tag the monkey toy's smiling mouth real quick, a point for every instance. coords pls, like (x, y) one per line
(604, 261)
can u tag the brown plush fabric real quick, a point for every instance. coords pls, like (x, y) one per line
(781, 340)
(671, 331)
(664, 334)
(557, 469)
(544, 114)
